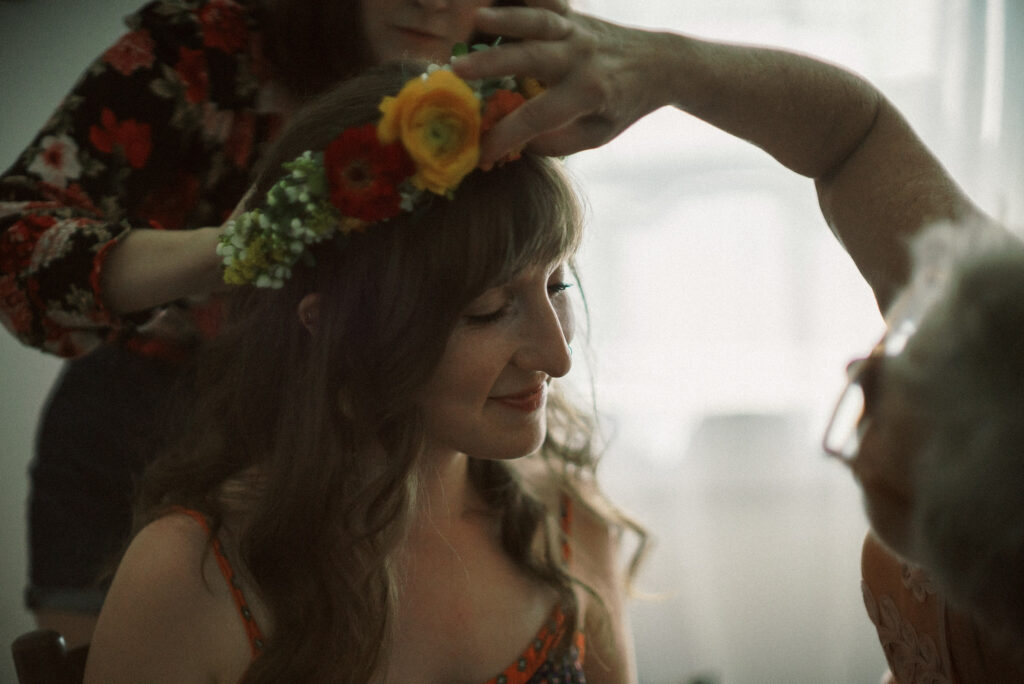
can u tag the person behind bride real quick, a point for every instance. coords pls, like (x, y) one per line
(108, 222)
(929, 425)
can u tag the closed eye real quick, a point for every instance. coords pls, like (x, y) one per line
(490, 317)
(555, 289)
(558, 288)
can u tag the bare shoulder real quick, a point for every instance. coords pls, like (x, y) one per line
(598, 561)
(597, 532)
(595, 535)
(168, 615)
(600, 558)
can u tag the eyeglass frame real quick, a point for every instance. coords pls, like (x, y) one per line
(892, 344)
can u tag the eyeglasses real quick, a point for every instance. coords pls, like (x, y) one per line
(849, 419)
(847, 425)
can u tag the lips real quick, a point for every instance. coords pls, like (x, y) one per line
(527, 400)
(418, 34)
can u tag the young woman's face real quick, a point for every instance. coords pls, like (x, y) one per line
(487, 396)
(428, 29)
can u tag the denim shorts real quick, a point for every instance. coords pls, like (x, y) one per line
(105, 418)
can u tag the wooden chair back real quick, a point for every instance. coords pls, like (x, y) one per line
(42, 657)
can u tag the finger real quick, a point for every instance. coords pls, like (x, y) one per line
(526, 23)
(545, 61)
(559, 6)
(540, 115)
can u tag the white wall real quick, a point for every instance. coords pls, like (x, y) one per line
(44, 46)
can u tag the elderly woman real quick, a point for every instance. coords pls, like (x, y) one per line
(930, 425)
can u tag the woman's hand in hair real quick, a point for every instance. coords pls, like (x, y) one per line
(151, 268)
(600, 77)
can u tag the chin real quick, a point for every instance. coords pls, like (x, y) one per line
(511, 449)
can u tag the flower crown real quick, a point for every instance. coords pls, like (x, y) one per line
(426, 142)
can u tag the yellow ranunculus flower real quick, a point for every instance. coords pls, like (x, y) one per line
(438, 121)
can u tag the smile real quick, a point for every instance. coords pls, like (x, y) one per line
(527, 401)
(416, 34)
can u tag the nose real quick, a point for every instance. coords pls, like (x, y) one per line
(545, 340)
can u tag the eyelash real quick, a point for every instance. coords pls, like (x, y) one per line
(554, 290)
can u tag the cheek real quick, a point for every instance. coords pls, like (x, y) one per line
(368, 13)
(462, 18)
(888, 512)
(375, 17)
(467, 371)
(371, 32)
(883, 469)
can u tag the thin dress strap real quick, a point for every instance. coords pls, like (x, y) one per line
(252, 630)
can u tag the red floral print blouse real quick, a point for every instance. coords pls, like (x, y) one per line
(160, 132)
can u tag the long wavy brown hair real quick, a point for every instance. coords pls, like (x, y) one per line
(285, 418)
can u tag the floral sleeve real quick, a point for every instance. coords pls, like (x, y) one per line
(159, 133)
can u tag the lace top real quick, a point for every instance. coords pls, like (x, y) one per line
(925, 640)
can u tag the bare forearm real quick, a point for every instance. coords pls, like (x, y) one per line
(807, 114)
(153, 267)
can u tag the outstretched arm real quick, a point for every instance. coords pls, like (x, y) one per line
(877, 183)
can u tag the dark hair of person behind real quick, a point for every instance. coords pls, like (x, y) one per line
(284, 417)
(313, 44)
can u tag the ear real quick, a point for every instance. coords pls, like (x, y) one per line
(309, 312)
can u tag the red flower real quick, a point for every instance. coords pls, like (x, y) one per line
(364, 175)
(130, 137)
(76, 196)
(223, 26)
(133, 51)
(499, 105)
(170, 204)
(191, 69)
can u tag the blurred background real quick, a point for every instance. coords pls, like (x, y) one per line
(722, 314)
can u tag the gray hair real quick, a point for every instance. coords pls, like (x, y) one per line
(963, 373)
